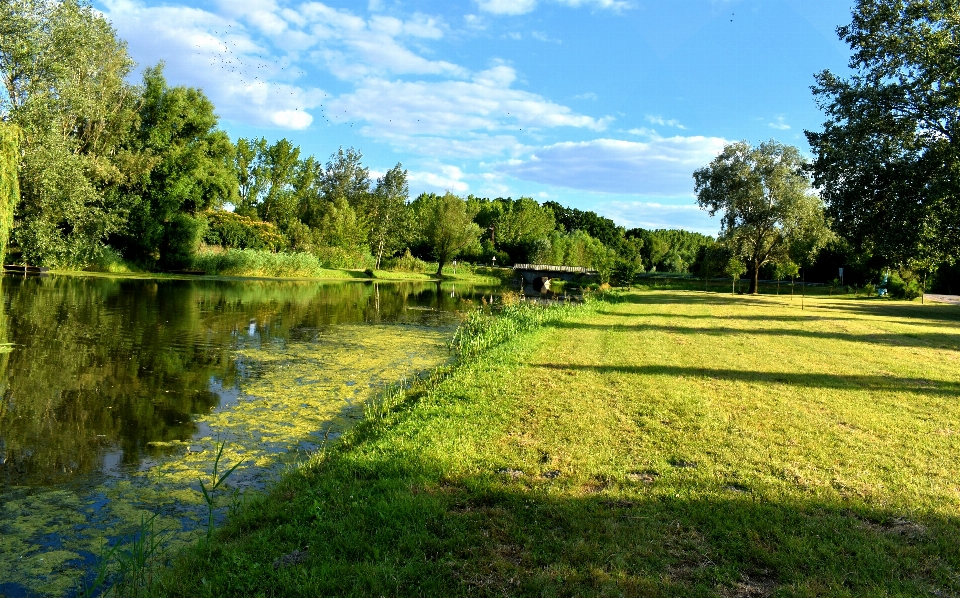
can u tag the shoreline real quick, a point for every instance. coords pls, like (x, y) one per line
(493, 276)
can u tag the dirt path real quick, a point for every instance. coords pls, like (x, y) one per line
(955, 299)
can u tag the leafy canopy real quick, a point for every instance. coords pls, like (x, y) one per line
(765, 200)
(888, 157)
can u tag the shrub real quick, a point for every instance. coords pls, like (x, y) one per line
(252, 262)
(340, 258)
(181, 240)
(406, 263)
(231, 230)
(904, 285)
(624, 271)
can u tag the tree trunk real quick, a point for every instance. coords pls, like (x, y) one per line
(439, 268)
(755, 280)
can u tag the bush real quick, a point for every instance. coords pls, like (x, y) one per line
(231, 230)
(904, 285)
(251, 262)
(181, 240)
(405, 263)
(481, 330)
(347, 259)
(112, 262)
(623, 273)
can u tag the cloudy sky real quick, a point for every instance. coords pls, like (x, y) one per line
(606, 105)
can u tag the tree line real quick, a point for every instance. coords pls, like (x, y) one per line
(885, 164)
(106, 169)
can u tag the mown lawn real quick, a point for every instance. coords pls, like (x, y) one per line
(672, 443)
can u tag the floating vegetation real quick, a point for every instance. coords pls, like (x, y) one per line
(268, 378)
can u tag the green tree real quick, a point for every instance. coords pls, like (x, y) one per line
(280, 163)
(249, 170)
(766, 203)
(446, 225)
(194, 172)
(346, 177)
(387, 213)
(888, 158)
(9, 181)
(63, 72)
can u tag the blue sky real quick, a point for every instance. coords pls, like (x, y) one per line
(608, 105)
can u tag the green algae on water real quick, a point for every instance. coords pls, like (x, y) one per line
(301, 394)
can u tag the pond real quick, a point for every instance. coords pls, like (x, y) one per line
(116, 391)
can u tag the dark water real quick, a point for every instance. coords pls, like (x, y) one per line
(115, 391)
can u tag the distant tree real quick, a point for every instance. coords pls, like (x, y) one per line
(598, 227)
(346, 177)
(279, 171)
(341, 228)
(887, 159)
(194, 172)
(766, 203)
(387, 213)
(520, 225)
(249, 169)
(446, 226)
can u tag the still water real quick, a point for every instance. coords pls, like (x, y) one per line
(116, 391)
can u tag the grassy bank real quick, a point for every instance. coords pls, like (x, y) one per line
(672, 443)
(249, 263)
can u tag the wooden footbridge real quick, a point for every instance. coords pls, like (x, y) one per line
(540, 275)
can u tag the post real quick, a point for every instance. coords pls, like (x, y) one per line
(803, 289)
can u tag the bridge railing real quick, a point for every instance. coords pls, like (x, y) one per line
(549, 268)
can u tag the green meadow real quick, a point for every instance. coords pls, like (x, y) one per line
(657, 443)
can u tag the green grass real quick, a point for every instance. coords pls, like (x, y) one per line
(667, 444)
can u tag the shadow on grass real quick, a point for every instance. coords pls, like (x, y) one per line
(889, 309)
(859, 306)
(873, 383)
(945, 340)
(403, 526)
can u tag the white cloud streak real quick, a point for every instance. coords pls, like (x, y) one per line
(663, 122)
(662, 166)
(520, 7)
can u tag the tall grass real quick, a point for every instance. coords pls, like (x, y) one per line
(254, 262)
(486, 328)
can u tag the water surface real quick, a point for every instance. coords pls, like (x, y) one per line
(115, 391)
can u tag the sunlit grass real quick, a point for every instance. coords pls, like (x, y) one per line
(671, 443)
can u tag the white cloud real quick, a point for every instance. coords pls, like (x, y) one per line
(520, 7)
(485, 111)
(221, 56)
(543, 37)
(614, 5)
(661, 166)
(779, 125)
(449, 178)
(252, 59)
(663, 122)
(653, 215)
(507, 7)
(291, 119)
(586, 96)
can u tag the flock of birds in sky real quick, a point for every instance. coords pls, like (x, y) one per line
(232, 62)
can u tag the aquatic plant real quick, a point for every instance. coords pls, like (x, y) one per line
(216, 481)
(125, 569)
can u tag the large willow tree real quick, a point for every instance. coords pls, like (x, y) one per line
(63, 71)
(9, 181)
